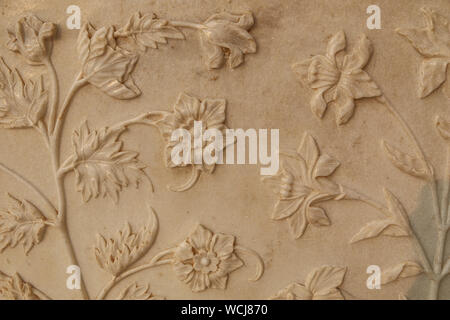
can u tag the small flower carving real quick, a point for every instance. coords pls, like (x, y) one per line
(204, 260)
(32, 38)
(433, 43)
(338, 81)
(187, 109)
(301, 184)
(225, 34)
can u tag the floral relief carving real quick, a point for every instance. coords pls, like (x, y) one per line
(102, 166)
(316, 72)
(338, 80)
(433, 42)
(321, 284)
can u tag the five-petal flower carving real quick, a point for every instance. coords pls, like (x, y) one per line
(301, 184)
(226, 34)
(204, 260)
(340, 81)
(433, 43)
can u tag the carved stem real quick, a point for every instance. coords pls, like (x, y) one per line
(54, 93)
(351, 194)
(41, 294)
(195, 174)
(444, 203)
(32, 187)
(155, 261)
(190, 25)
(259, 265)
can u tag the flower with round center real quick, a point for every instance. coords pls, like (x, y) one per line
(32, 38)
(204, 260)
(340, 81)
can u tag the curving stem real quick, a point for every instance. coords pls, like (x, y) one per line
(54, 93)
(195, 174)
(259, 264)
(155, 261)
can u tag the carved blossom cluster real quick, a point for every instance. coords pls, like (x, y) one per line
(204, 260)
(338, 80)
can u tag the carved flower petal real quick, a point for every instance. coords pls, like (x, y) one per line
(359, 56)
(183, 271)
(325, 166)
(432, 74)
(187, 108)
(236, 57)
(245, 20)
(317, 217)
(213, 112)
(301, 69)
(199, 282)
(318, 103)
(297, 223)
(308, 150)
(322, 73)
(200, 238)
(285, 208)
(336, 44)
(228, 35)
(229, 265)
(222, 245)
(345, 105)
(325, 279)
(218, 282)
(214, 55)
(184, 251)
(360, 85)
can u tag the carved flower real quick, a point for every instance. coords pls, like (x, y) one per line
(187, 109)
(227, 34)
(321, 284)
(432, 42)
(301, 185)
(204, 259)
(104, 64)
(340, 81)
(32, 38)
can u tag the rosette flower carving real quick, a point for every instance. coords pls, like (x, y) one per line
(301, 184)
(340, 81)
(104, 64)
(226, 34)
(32, 38)
(204, 260)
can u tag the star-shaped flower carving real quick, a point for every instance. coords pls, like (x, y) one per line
(338, 80)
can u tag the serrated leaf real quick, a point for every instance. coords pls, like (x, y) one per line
(14, 288)
(137, 292)
(380, 228)
(403, 270)
(148, 31)
(405, 162)
(22, 102)
(114, 255)
(101, 167)
(22, 223)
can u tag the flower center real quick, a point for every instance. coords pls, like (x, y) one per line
(205, 261)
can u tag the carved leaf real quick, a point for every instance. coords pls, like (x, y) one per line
(325, 166)
(403, 270)
(14, 288)
(100, 164)
(408, 164)
(380, 228)
(308, 150)
(147, 31)
(22, 224)
(443, 128)
(22, 103)
(105, 65)
(397, 210)
(137, 292)
(114, 255)
(432, 74)
(325, 281)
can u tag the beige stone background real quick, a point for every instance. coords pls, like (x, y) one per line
(262, 93)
